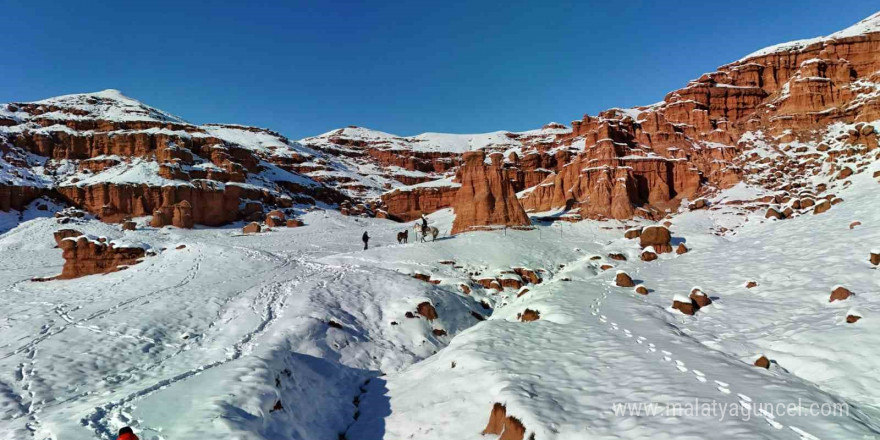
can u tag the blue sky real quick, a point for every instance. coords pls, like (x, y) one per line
(303, 68)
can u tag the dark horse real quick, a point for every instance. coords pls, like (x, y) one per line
(403, 237)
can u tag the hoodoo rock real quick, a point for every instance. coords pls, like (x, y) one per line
(622, 279)
(85, 256)
(182, 216)
(763, 362)
(427, 310)
(657, 237)
(839, 293)
(486, 196)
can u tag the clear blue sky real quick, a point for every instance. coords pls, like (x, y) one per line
(303, 68)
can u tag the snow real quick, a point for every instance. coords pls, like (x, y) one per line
(110, 105)
(205, 340)
(868, 25)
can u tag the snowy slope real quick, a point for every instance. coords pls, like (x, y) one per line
(868, 25)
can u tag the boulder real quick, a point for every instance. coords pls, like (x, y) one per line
(839, 293)
(84, 256)
(648, 254)
(486, 196)
(698, 204)
(681, 249)
(530, 315)
(251, 228)
(606, 267)
(852, 318)
(275, 222)
(421, 276)
(438, 332)
(657, 237)
(427, 310)
(854, 224)
(622, 279)
(641, 290)
(774, 213)
(684, 305)
(763, 362)
(751, 284)
(821, 207)
(618, 257)
(875, 258)
(699, 298)
(528, 275)
(294, 223)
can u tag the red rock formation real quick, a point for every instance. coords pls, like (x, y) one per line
(251, 228)
(410, 203)
(486, 196)
(83, 256)
(17, 197)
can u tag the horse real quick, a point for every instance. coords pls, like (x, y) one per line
(402, 237)
(434, 232)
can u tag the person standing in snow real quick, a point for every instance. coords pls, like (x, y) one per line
(424, 223)
(365, 238)
(127, 434)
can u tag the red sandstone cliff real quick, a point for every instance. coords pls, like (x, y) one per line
(486, 196)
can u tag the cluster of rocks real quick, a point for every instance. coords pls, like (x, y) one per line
(689, 305)
(274, 219)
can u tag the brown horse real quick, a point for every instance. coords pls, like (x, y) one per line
(403, 237)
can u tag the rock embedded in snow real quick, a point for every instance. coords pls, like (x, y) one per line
(657, 237)
(648, 254)
(875, 258)
(839, 293)
(681, 249)
(294, 223)
(606, 267)
(684, 304)
(61, 234)
(427, 310)
(251, 228)
(617, 256)
(633, 233)
(641, 289)
(821, 207)
(508, 427)
(529, 315)
(763, 362)
(622, 279)
(129, 226)
(854, 224)
(751, 284)
(774, 213)
(852, 318)
(276, 219)
(700, 298)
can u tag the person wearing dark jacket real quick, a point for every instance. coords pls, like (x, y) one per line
(127, 434)
(365, 238)
(424, 223)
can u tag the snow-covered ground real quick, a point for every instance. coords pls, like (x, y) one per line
(299, 333)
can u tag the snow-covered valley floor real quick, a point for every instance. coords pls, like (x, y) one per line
(300, 334)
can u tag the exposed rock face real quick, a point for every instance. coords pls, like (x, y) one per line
(657, 237)
(410, 203)
(622, 279)
(125, 159)
(839, 293)
(61, 234)
(84, 256)
(486, 196)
